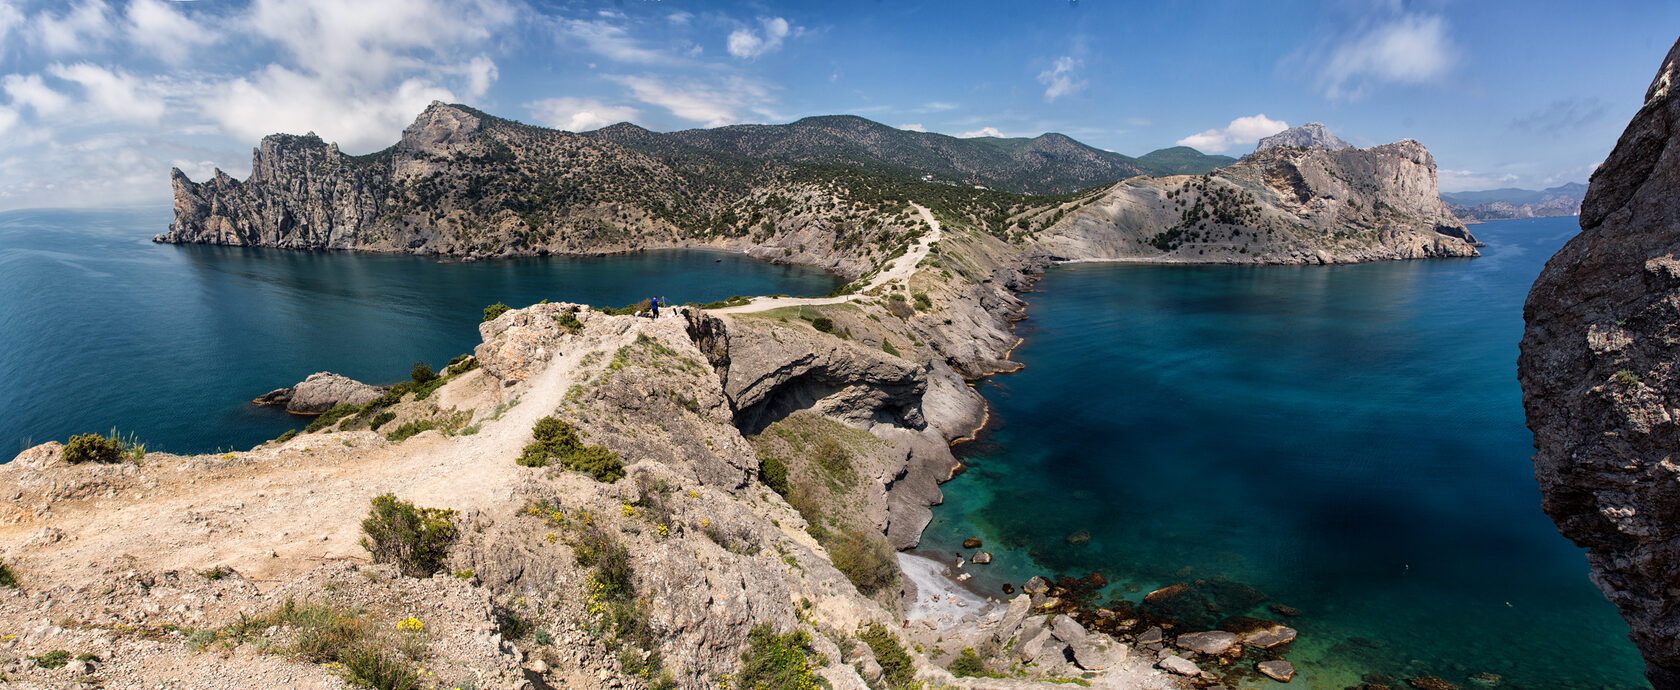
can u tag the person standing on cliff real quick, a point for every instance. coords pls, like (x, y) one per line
(654, 307)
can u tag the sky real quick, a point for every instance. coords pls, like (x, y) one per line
(99, 98)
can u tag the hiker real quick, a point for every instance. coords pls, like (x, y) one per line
(655, 307)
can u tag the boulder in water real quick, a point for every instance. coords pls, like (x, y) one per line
(1277, 669)
(320, 392)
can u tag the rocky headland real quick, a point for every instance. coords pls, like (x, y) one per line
(1599, 380)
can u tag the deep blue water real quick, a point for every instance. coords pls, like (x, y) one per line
(1349, 440)
(100, 328)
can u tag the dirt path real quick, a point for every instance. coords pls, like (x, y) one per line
(898, 271)
(278, 511)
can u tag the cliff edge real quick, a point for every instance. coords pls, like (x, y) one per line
(1598, 371)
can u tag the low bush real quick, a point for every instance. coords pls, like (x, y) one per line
(969, 665)
(495, 310)
(8, 577)
(868, 561)
(380, 419)
(922, 301)
(368, 666)
(779, 661)
(888, 348)
(93, 448)
(56, 658)
(422, 374)
(774, 473)
(289, 435)
(416, 540)
(569, 321)
(554, 439)
(331, 417)
(823, 323)
(897, 668)
(409, 429)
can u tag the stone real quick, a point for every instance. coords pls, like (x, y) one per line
(1080, 538)
(1486, 679)
(982, 558)
(1067, 629)
(1310, 134)
(1430, 683)
(320, 392)
(1179, 665)
(1013, 617)
(1212, 643)
(1277, 669)
(1269, 637)
(1151, 636)
(1596, 369)
(1008, 588)
(971, 543)
(1283, 610)
(1037, 585)
(537, 666)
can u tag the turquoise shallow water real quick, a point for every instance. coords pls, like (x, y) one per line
(1349, 440)
(100, 328)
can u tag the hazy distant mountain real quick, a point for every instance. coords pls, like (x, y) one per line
(1310, 134)
(1505, 204)
(1046, 164)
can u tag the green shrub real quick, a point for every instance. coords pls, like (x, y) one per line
(8, 577)
(422, 374)
(495, 310)
(215, 573)
(888, 348)
(774, 473)
(331, 417)
(93, 448)
(922, 301)
(391, 396)
(368, 666)
(416, 540)
(457, 359)
(409, 429)
(823, 323)
(897, 667)
(968, 665)
(554, 439)
(868, 561)
(56, 658)
(773, 662)
(289, 435)
(380, 419)
(569, 321)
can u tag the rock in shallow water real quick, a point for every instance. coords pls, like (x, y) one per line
(971, 543)
(320, 392)
(1179, 665)
(1278, 670)
(1212, 643)
(982, 558)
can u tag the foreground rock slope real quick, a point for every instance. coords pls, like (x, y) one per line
(1600, 385)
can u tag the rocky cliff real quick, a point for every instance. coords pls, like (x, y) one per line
(1506, 204)
(1599, 377)
(1283, 204)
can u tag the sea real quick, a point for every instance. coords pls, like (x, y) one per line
(101, 329)
(1348, 441)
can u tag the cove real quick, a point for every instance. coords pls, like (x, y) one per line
(101, 328)
(1348, 440)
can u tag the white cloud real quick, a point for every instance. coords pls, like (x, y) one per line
(32, 91)
(1058, 81)
(8, 118)
(79, 30)
(1139, 121)
(936, 107)
(746, 44)
(279, 99)
(579, 114)
(1409, 49)
(113, 95)
(712, 105)
(372, 40)
(913, 127)
(1243, 130)
(611, 41)
(10, 18)
(168, 34)
(982, 132)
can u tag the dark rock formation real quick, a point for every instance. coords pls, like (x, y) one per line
(1310, 134)
(320, 392)
(1600, 379)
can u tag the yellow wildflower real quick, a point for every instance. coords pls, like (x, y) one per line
(411, 624)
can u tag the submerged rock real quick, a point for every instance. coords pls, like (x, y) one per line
(1430, 683)
(1211, 643)
(971, 543)
(1278, 670)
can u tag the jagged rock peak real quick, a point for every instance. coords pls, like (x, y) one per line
(1310, 134)
(1597, 369)
(441, 128)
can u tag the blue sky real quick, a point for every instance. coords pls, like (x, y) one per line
(98, 98)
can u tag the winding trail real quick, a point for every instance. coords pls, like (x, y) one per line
(897, 271)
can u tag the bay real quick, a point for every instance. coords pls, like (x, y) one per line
(1348, 440)
(101, 329)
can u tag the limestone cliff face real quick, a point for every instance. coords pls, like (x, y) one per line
(1600, 380)
(1310, 134)
(1283, 205)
